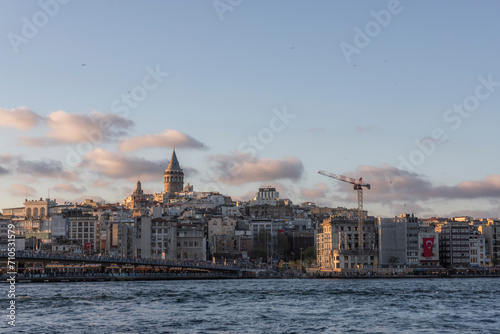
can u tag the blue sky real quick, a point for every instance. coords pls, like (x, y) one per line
(208, 76)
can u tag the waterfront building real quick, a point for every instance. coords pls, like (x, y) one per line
(428, 248)
(393, 241)
(477, 250)
(454, 244)
(398, 240)
(337, 244)
(491, 232)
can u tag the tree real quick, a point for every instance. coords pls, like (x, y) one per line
(495, 261)
(310, 253)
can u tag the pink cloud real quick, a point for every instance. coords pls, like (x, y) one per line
(166, 139)
(120, 166)
(75, 128)
(69, 188)
(240, 168)
(21, 118)
(396, 188)
(319, 190)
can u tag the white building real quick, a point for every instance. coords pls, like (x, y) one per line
(83, 229)
(266, 195)
(338, 247)
(477, 250)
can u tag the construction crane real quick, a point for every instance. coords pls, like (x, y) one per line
(358, 186)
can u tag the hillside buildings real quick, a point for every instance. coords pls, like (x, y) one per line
(182, 224)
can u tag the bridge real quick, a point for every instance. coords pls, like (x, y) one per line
(50, 259)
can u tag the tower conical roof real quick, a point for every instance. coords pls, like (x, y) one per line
(174, 163)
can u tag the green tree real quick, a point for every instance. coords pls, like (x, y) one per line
(495, 261)
(310, 253)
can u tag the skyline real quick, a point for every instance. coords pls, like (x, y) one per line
(251, 94)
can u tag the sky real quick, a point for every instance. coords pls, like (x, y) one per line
(405, 94)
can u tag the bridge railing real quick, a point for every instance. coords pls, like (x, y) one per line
(119, 259)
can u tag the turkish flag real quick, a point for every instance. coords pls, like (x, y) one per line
(428, 243)
(87, 246)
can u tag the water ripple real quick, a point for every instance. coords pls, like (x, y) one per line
(261, 306)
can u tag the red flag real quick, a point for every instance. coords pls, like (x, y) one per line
(87, 246)
(428, 244)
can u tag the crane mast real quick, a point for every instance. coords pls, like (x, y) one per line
(358, 186)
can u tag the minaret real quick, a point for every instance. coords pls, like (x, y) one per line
(138, 190)
(174, 176)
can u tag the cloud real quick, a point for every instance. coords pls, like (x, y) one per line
(20, 118)
(366, 129)
(66, 128)
(120, 166)
(392, 185)
(69, 188)
(190, 172)
(319, 190)
(476, 213)
(21, 190)
(239, 168)
(166, 139)
(44, 168)
(6, 158)
(37, 168)
(3, 171)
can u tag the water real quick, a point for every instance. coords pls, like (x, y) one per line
(260, 306)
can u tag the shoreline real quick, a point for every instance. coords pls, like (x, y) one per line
(71, 279)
